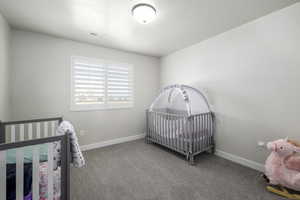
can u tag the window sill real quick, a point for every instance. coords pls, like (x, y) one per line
(100, 108)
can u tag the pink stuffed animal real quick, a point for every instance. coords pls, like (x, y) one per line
(283, 166)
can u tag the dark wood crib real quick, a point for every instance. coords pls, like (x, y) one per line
(28, 148)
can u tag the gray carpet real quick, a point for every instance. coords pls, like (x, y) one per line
(139, 171)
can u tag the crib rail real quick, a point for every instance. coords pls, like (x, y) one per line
(15, 131)
(188, 135)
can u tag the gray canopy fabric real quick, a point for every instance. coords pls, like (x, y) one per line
(182, 99)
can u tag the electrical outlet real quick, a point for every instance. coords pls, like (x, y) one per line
(212, 107)
(261, 144)
(82, 132)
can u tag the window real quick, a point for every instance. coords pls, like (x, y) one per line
(99, 84)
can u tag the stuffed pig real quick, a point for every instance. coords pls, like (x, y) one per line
(283, 165)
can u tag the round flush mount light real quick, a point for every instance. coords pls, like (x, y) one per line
(143, 13)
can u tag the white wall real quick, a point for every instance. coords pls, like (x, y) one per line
(252, 76)
(41, 85)
(4, 69)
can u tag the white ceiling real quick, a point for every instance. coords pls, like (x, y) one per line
(179, 23)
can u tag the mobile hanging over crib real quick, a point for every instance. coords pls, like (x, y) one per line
(180, 119)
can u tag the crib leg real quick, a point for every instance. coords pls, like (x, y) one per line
(191, 159)
(187, 157)
(212, 150)
(147, 141)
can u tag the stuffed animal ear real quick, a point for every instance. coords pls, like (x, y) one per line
(286, 139)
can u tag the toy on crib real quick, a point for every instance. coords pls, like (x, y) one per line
(282, 168)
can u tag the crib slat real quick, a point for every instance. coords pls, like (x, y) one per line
(2, 175)
(211, 130)
(45, 129)
(156, 135)
(176, 132)
(171, 128)
(180, 132)
(154, 128)
(189, 124)
(12, 133)
(158, 128)
(21, 132)
(167, 138)
(152, 125)
(167, 133)
(197, 133)
(50, 170)
(201, 129)
(35, 173)
(161, 129)
(163, 134)
(183, 134)
(169, 125)
(19, 174)
(205, 132)
(182, 128)
(198, 127)
(170, 134)
(160, 135)
(167, 121)
(208, 130)
(149, 123)
(186, 130)
(188, 133)
(29, 131)
(38, 130)
(53, 128)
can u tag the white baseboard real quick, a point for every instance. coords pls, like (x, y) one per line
(111, 142)
(228, 156)
(242, 161)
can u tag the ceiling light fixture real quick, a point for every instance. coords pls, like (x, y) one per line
(143, 13)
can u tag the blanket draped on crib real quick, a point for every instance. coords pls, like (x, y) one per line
(76, 154)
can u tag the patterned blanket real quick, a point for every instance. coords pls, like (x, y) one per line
(76, 154)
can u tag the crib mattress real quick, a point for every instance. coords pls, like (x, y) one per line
(11, 154)
(179, 134)
(180, 137)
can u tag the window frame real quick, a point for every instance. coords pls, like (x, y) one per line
(105, 105)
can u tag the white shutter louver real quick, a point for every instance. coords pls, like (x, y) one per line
(119, 85)
(98, 84)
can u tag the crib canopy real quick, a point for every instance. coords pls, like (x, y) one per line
(181, 99)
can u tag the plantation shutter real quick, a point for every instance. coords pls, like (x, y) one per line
(89, 83)
(119, 84)
(98, 84)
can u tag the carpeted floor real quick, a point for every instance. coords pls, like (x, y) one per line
(139, 171)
